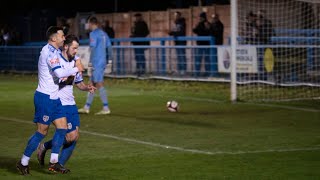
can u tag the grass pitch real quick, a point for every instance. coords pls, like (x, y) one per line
(209, 138)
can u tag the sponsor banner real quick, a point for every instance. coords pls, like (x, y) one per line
(246, 60)
(84, 54)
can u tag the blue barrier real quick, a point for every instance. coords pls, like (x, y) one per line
(296, 32)
(161, 62)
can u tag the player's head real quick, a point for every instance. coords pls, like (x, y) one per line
(177, 15)
(70, 46)
(93, 23)
(55, 35)
(138, 17)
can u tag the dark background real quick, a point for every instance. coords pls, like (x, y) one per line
(36, 15)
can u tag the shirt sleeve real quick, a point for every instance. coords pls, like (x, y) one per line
(78, 78)
(93, 39)
(53, 61)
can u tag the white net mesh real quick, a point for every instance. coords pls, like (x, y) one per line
(286, 37)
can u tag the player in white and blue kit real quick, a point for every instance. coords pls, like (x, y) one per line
(99, 42)
(48, 107)
(68, 59)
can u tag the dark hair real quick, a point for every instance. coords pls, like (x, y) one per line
(70, 38)
(93, 20)
(178, 12)
(53, 30)
(137, 15)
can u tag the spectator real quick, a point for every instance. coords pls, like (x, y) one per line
(265, 28)
(179, 29)
(202, 29)
(217, 29)
(5, 36)
(250, 29)
(108, 29)
(140, 29)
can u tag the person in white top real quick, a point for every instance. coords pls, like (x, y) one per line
(68, 60)
(48, 107)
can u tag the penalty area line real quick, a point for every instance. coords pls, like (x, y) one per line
(194, 151)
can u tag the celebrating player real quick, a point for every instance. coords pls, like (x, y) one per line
(48, 107)
(67, 61)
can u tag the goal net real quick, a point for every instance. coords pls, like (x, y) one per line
(278, 50)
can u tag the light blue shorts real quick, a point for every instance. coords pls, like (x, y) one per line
(97, 75)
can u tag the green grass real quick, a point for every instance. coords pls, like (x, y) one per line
(207, 122)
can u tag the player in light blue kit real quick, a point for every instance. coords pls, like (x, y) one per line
(99, 42)
(68, 59)
(48, 107)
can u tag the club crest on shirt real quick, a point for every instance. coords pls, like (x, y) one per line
(45, 118)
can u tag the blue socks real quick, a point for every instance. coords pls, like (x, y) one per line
(66, 152)
(48, 144)
(58, 140)
(89, 100)
(103, 96)
(33, 143)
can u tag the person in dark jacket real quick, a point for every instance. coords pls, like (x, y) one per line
(140, 29)
(217, 29)
(202, 29)
(179, 29)
(108, 29)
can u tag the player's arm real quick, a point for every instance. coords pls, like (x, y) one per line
(54, 63)
(84, 87)
(81, 85)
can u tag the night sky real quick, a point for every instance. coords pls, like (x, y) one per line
(70, 8)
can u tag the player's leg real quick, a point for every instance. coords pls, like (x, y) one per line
(58, 138)
(98, 79)
(90, 97)
(42, 117)
(72, 135)
(68, 147)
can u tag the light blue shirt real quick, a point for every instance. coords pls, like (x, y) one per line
(99, 41)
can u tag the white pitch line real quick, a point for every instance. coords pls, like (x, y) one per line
(195, 151)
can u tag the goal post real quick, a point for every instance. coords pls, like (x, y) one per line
(275, 47)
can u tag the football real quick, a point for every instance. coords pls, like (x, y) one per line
(173, 106)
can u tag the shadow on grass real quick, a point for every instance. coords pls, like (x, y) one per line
(9, 164)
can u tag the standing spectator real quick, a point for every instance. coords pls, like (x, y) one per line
(217, 29)
(99, 42)
(5, 36)
(179, 29)
(110, 32)
(108, 29)
(265, 28)
(202, 29)
(250, 30)
(140, 29)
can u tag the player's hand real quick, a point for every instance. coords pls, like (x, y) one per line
(91, 88)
